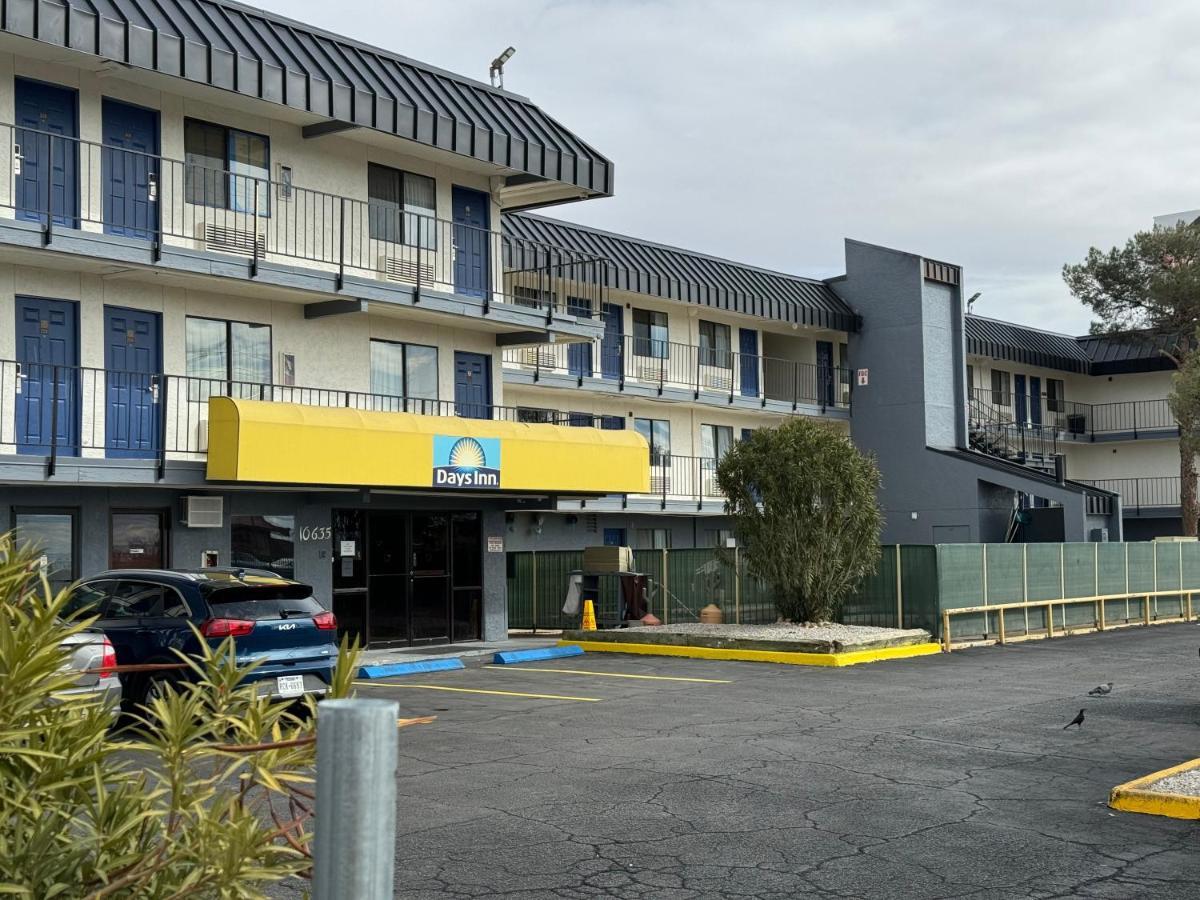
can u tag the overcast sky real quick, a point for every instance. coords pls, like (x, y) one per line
(1007, 137)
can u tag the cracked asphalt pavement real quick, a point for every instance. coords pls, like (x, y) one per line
(937, 777)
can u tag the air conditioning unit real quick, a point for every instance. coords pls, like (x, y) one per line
(715, 378)
(708, 484)
(645, 369)
(226, 239)
(203, 512)
(660, 482)
(408, 271)
(541, 357)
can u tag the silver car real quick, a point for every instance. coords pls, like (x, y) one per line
(92, 656)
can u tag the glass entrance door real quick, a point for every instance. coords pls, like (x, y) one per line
(387, 577)
(136, 540)
(430, 577)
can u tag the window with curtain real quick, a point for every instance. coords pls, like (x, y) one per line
(1055, 397)
(714, 345)
(715, 440)
(650, 336)
(402, 207)
(1001, 390)
(657, 433)
(405, 372)
(224, 165)
(226, 357)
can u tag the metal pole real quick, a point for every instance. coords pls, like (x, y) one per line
(899, 591)
(533, 563)
(737, 587)
(355, 842)
(986, 619)
(666, 586)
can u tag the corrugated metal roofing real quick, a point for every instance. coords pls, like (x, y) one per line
(1116, 354)
(1019, 343)
(264, 55)
(643, 267)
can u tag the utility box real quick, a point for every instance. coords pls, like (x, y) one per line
(1099, 536)
(600, 560)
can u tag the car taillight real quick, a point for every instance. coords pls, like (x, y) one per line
(108, 658)
(325, 621)
(221, 628)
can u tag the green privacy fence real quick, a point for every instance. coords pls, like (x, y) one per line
(1126, 583)
(682, 582)
(912, 587)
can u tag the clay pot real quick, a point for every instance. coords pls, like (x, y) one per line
(711, 615)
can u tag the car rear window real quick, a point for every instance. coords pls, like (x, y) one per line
(254, 602)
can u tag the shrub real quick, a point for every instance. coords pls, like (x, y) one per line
(207, 795)
(804, 505)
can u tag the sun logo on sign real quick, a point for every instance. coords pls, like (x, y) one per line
(467, 455)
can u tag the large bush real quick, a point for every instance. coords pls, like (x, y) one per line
(804, 505)
(209, 796)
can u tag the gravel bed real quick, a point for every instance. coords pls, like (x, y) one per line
(827, 631)
(1181, 783)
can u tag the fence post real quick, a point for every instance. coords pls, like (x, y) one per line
(986, 618)
(254, 235)
(341, 273)
(1025, 589)
(899, 591)
(737, 586)
(53, 461)
(1126, 582)
(666, 580)
(1154, 568)
(1096, 581)
(355, 842)
(48, 234)
(533, 598)
(1062, 581)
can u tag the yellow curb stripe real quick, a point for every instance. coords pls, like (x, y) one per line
(1134, 796)
(458, 690)
(772, 656)
(608, 674)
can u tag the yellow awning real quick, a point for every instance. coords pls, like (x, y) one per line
(287, 443)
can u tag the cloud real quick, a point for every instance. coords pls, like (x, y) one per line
(1006, 137)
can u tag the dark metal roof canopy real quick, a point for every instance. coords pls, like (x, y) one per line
(674, 274)
(1119, 354)
(263, 55)
(1018, 343)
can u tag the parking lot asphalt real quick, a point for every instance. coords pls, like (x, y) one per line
(944, 776)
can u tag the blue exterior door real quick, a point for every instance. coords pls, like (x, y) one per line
(748, 346)
(471, 240)
(130, 165)
(613, 341)
(1035, 400)
(132, 362)
(47, 123)
(1022, 409)
(579, 356)
(48, 354)
(825, 373)
(614, 537)
(472, 385)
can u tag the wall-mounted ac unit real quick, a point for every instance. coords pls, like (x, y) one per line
(227, 239)
(660, 482)
(716, 378)
(649, 369)
(204, 512)
(541, 357)
(408, 271)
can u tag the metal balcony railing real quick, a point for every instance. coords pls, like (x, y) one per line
(1141, 495)
(701, 370)
(67, 183)
(1076, 421)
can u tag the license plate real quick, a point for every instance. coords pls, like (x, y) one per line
(290, 685)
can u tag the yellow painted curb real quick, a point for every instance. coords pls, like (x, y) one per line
(770, 656)
(1134, 796)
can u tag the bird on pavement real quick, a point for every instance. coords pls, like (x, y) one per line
(1101, 690)
(1078, 720)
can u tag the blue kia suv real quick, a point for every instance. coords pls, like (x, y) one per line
(147, 615)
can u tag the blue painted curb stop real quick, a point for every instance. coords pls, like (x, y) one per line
(509, 657)
(410, 668)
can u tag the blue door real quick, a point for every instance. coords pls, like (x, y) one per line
(471, 239)
(48, 354)
(748, 346)
(1022, 408)
(613, 342)
(825, 373)
(46, 132)
(132, 364)
(130, 164)
(614, 537)
(472, 385)
(1035, 400)
(579, 355)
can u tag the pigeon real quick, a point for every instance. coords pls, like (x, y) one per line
(1078, 720)
(1101, 690)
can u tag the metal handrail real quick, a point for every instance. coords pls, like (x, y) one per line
(162, 200)
(1071, 417)
(701, 370)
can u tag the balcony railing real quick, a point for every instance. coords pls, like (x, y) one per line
(702, 370)
(1142, 495)
(61, 182)
(1077, 421)
(68, 411)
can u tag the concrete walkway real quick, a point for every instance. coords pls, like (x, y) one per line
(475, 653)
